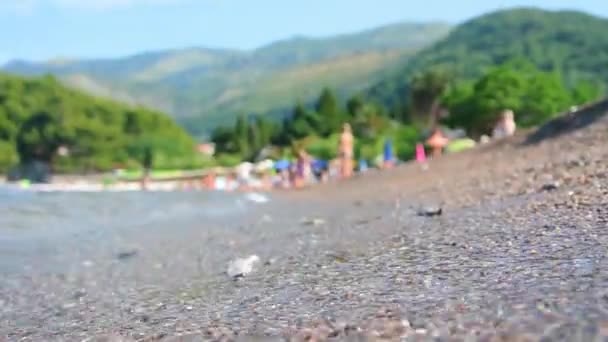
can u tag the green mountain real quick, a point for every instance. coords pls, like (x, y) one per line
(40, 115)
(206, 87)
(572, 43)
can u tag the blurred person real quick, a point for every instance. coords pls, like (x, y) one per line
(505, 127)
(389, 160)
(303, 168)
(147, 165)
(345, 151)
(437, 141)
(363, 166)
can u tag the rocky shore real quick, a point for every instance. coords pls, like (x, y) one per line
(517, 253)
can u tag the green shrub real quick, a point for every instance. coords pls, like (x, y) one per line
(228, 160)
(323, 148)
(8, 156)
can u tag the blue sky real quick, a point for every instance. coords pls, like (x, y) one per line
(44, 29)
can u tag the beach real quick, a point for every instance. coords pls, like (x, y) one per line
(517, 254)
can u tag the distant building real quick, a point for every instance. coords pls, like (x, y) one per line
(207, 149)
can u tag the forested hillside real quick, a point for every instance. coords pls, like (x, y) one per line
(39, 115)
(573, 44)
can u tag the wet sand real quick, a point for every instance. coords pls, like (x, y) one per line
(518, 254)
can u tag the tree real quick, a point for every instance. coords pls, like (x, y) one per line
(39, 115)
(241, 136)
(405, 139)
(425, 92)
(585, 92)
(545, 96)
(8, 155)
(329, 112)
(148, 159)
(459, 102)
(300, 124)
(354, 105)
(39, 138)
(502, 88)
(266, 131)
(224, 140)
(534, 95)
(370, 122)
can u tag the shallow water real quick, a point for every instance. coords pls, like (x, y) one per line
(41, 227)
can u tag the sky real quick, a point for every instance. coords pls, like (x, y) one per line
(40, 30)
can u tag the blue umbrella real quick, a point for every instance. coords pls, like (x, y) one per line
(281, 164)
(319, 164)
(388, 150)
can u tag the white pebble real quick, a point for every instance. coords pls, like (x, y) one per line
(242, 266)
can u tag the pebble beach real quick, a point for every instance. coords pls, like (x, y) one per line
(518, 252)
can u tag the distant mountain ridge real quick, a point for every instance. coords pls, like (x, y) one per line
(206, 87)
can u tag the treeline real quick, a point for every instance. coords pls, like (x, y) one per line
(535, 96)
(41, 120)
(573, 44)
(435, 95)
(315, 128)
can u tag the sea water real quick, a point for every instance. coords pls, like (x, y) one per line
(37, 228)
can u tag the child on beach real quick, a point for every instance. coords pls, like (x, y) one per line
(505, 127)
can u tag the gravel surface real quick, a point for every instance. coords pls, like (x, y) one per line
(518, 253)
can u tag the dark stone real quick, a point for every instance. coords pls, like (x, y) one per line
(126, 255)
(430, 211)
(79, 294)
(550, 186)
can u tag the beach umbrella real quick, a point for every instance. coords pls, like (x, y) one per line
(282, 164)
(319, 164)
